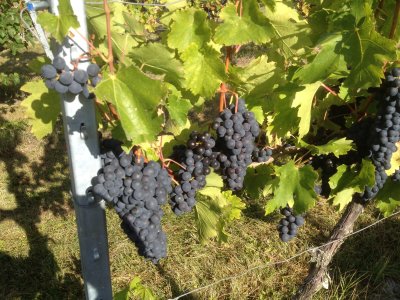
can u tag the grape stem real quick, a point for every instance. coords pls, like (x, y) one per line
(110, 59)
(169, 160)
(336, 95)
(379, 8)
(92, 47)
(395, 20)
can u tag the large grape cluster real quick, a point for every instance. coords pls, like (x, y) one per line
(384, 132)
(196, 159)
(288, 225)
(60, 78)
(236, 133)
(137, 190)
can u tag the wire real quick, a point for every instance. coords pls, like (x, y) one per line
(137, 3)
(26, 25)
(312, 249)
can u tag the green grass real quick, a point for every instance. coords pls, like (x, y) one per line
(39, 253)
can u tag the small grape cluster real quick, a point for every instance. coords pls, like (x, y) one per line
(196, 159)
(137, 190)
(396, 176)
(384, 132)
(235, 143)
(289, 224)
(328, 165)
(261, 155)
(59, 77)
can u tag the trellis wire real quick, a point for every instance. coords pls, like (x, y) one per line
(311, 249)
(136, 3)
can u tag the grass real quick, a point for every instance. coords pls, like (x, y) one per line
(39, 253)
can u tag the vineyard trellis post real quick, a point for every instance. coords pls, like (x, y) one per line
(80, 129)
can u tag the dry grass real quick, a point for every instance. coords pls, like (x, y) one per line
(39, 254)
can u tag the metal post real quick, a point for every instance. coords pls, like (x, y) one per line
(80, 129)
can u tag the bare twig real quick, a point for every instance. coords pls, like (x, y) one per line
(395, 20)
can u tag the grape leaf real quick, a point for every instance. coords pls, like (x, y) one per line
(366, 51)
(388, 198)
(136, 103)
(290, 33)
(204, 70)
(324, 63)
(156, 58)
(258, 181)
(178, 109)
(42, 107)
(303, 100)
(349, 180)
(258, 71)
(295, 186)
(336, 146)
(189, 26)
(58, 26)
(251, 26)
(394, 161)
(216, 209)
(135, 290)
(122, 42)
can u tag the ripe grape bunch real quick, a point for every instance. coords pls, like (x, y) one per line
(384, 132)
(137, 190)
(60, 78)
(235, 143)
(288, 225)
(196, 159)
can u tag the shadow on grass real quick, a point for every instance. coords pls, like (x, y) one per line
(35, 276)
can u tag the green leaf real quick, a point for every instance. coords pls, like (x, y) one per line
(252, 26)
(324, 63)
(257, 72)
(156, 58)
(43, 107)
(303, 100)
(204, 70)
(122, 42)
(388, 198)
(216, 209)
(189, 26)
(135, 290)
(136, 97)
(58, 26)
(178, 109)
(258, 181)
(336, 146)
(295, 186)
(290, 33)
(350, 180)
(366, 51)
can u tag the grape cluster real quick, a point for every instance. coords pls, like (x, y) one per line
(384, 132)
(328, 165)
(261, 155)
(288, 225)
(396, 176)
(137, 190)
(58, 77)
(196, 158)
(236, 133)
